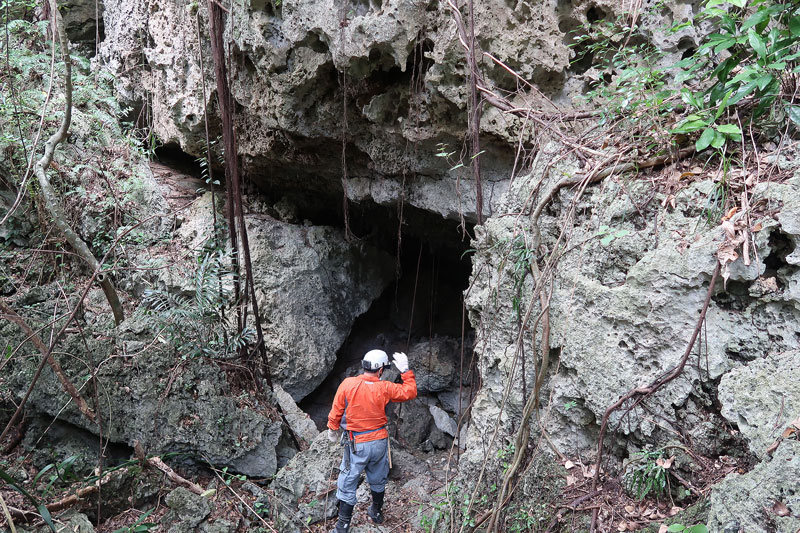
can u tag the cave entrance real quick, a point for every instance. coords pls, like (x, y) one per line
(420, 313)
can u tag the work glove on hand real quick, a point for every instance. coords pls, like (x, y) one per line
(333, 435)
(400, 361)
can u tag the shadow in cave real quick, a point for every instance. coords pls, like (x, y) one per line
(420, 314)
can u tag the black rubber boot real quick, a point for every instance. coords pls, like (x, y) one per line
(345, 515)
(374, 512)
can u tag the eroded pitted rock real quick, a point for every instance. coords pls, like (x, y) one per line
(762, 398)
(624, 304)
(765, 499)
(81, 18)
(306, 487)
(389, 76)
(167, 403)
(311, 284)
(307, 484)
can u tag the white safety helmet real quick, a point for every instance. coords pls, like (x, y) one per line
(374, 360)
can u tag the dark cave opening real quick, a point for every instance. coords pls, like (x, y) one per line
(419, 313)
(173, 156)
(780, 246)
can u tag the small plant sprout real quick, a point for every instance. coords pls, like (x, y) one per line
(608, 234)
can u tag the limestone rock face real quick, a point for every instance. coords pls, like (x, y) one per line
(311, 471)
(388, 76)
(81, 19)
(762, 398)
(167, 403)
(435, 364)
(625, 301)
(749, 502)
(306, 486)
(311, 285)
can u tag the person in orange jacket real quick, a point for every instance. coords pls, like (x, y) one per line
(359, 409)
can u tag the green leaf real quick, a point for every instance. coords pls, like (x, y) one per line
(794, 26)
(674, 528)
(794, 114)
(729, 129)
(738, 3)
(723, 104)
(742, 92)
(685, 63)
(690, 126)
(42, 472)
(705, 140)
(764, 80)
(699, 528)
(39, 507)
(756, 18)
(690, 99)
(757, 43)
(716, 93)
(724, 45)
(727, 22)
(718, 141)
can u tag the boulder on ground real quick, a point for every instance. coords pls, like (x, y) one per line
(766, 499)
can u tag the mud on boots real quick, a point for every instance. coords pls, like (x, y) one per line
(359, 410)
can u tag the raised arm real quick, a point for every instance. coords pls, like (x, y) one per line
(402, 392)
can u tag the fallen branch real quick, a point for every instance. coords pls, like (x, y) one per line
(571, 506)
(64, 503)
(19, 433)
(249, 508)
(81, 494)
(641, 393)
(156, 462)
(37, 341)
(7, 515)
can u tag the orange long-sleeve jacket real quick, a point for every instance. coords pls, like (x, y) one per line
(360, 403)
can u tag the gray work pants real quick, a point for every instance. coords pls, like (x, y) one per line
(369, 457)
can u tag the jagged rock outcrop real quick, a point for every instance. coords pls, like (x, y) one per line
(190, 512)
(305, 489)
(628, 289)
(389, 76)
(765, 499)
(311, 284)
(761, 398)
(166, 403)
(81, 18)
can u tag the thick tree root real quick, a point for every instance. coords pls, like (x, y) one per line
(639, 394)
(51, 202)
(37, 341)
